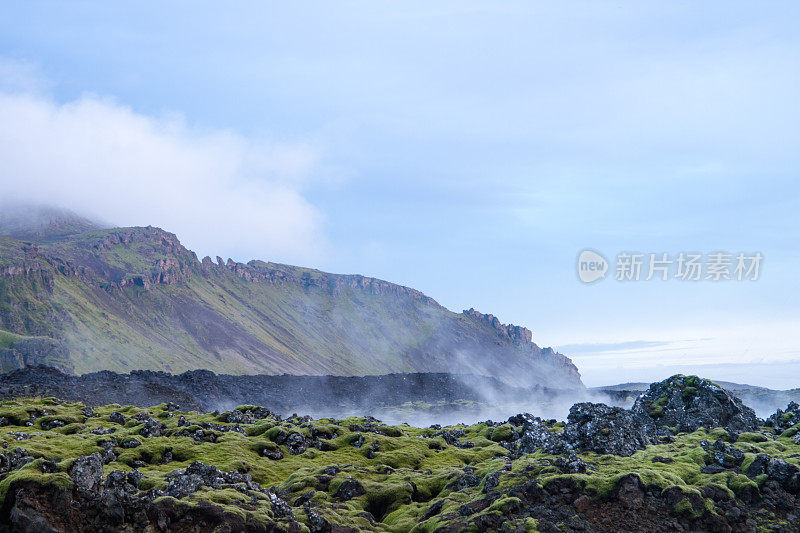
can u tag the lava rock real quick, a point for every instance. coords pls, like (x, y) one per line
(602, 429)
(467, 480)
(296, 443)
(152, 428)
(759, 465)
(723, 454)
(86, 472)
(17, 458)
(783, 420)
(239, 417)
(51, 424)
(536, 436)
(349, 489)
(689, 403)
(120, 481)
(274, 454)
(184, 482)
(572, 464)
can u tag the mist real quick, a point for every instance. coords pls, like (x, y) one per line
(220, 192)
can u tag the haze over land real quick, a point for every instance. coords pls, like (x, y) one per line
(468, 151)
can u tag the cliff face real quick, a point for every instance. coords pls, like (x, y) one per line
(135, 298)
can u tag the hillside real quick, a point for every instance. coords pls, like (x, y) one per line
(84, 299)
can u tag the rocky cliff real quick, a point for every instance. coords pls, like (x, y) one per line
(135, 298)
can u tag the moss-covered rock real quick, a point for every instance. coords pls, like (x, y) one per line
(399, 479)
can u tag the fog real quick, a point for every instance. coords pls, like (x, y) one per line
(220, 192)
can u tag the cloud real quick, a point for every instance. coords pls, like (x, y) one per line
(219, 192)
(603, 347)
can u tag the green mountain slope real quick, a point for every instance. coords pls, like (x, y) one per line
(135, 298)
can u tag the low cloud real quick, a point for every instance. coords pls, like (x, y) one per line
(220, 192)
(604, 347)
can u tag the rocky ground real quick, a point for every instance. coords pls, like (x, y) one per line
(418, 398)
(687, 456)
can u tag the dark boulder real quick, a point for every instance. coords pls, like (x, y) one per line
(184, 482)
(723, 454)
(535, 436)
(688, 403)
(86, 472)
(783, 420)
(602, 429)
(152, 428)
(17, 458)
(296, 443)
(349, 489)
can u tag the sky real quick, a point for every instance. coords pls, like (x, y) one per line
(470, 150)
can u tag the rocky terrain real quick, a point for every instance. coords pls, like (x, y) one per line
(397, 397)
(687, 456)
(83, 298)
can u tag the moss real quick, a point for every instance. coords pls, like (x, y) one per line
(751, 437)
(684, 507)
(502, 433)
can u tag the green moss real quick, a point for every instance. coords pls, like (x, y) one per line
(502, 433)
(751, 437)
(684, 507)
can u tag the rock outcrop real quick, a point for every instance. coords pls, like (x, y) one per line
(677, 404)
(686, 403)
(783, 420)
(515, 333)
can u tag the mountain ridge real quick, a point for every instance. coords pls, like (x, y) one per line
(136, 298)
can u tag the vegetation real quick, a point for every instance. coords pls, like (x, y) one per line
(406, 472)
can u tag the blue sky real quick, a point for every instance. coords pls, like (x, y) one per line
(470, 150)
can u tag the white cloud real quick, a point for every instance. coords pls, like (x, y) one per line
(219, 192)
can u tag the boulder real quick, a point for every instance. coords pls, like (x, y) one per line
(349, 489)
(86, 472)
(783, 420)
(688, 403)
(602, 429)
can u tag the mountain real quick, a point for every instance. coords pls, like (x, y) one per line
(82, 298)
(42, 223)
